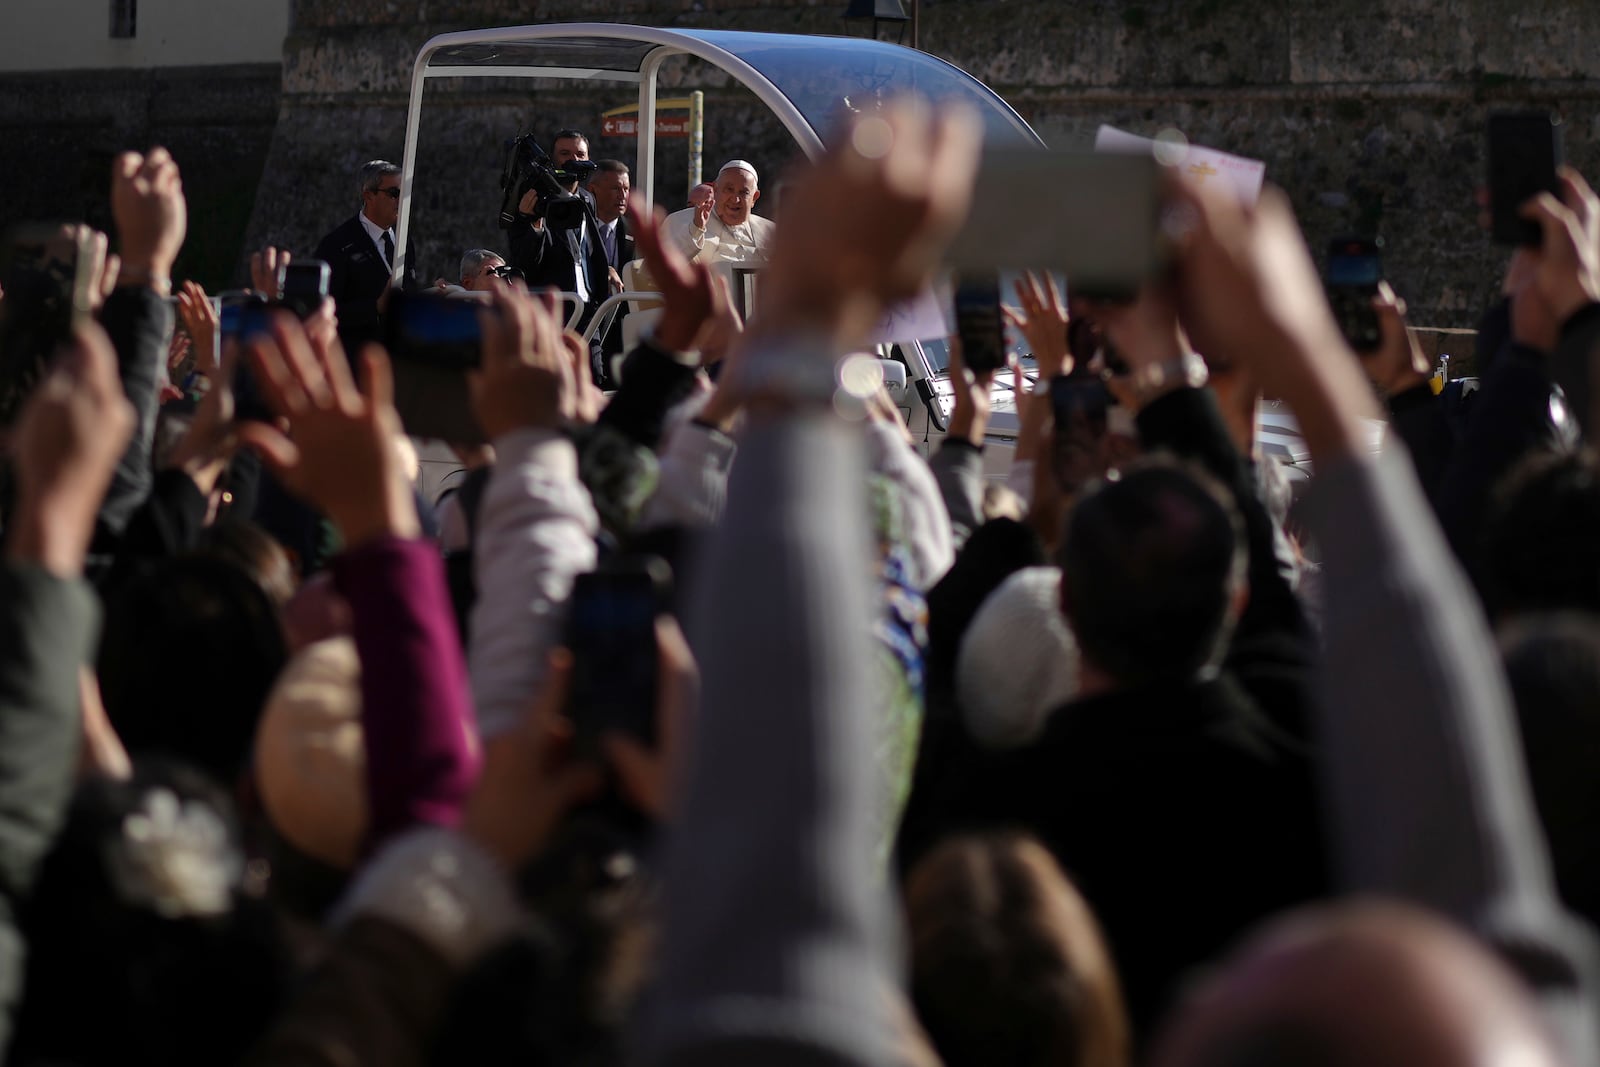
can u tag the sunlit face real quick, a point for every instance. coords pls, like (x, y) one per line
(382, 205)
(736, 195)
(482, 278)
(566, 149)
(610, 195)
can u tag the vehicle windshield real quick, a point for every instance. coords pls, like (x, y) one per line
(824, 76)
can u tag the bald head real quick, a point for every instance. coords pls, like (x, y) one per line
(702, 194)
(1365, 985)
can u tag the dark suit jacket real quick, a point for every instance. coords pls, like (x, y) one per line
(548, 260)
(358, 277)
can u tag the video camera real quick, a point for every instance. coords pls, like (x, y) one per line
(529, 167)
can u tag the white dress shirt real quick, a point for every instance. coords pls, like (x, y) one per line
(376, 233)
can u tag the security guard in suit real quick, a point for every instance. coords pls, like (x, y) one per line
(360, 256)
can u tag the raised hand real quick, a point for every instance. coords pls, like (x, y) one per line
(67, 441)
(688, 290)
(969, 417)
(151, 214)
(199, 319)
(212, 437)
(264, 266)
(587, 399)
(527, 378)
(1566, 266)
(1043, 321)
(1533, 324)
(648, 776)
(530, 777)
(1398, 364)
(868, 223)
(103, 265)
(702, 213)
(339, 452)
(1248, 292)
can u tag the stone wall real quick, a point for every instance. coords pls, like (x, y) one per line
(1370, 114)
(62, 130)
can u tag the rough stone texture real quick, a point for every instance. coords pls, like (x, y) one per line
(61, 132)
(1370, 114)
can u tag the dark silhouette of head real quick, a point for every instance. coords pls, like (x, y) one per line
(1541, 540)
(1553, 664)
(1359, 985)
(1153, 573)
(1007, 964)
(189, 653)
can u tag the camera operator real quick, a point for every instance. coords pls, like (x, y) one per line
(571, 257)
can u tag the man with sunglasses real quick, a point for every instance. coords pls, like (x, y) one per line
(360, 254)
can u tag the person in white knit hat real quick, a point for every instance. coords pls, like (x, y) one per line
(1018, 661)
(727, 230)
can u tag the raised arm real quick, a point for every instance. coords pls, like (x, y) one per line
(152, 218)
(340, 457)
(774, 929)
(537, 525)
(66, 445)
(1422, 768)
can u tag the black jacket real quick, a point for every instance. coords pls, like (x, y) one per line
(548, 258)
(1183, 815)
(139, 323)
(358, 277)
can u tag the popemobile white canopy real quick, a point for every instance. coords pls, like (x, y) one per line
(804, 80)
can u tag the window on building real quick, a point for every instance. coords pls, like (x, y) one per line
(124, 18)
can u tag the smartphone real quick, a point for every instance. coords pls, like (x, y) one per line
(303, 285)
(1525, 148)
(1354, 270)
(979, 324)
(1081, 404)
(611, 633)
(433, 341)
(47, 273)
(243, 316)
(1093, 216)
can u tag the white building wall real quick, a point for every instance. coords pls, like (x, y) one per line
(76, 34)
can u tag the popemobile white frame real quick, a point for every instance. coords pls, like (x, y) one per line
(721, 49)
(738, 54)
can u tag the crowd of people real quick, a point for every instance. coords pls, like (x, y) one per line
(1148, 761)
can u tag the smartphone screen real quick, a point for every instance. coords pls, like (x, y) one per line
(435, 329)
(240, 320)
(1525, 148)
(303, 285)
(45, 270)
(611, 633)
(1353, 273)
(979, 324)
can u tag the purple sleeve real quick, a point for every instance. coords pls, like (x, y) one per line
(416, 711)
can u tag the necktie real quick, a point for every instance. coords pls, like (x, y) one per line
(388, 249)
(608, 234)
